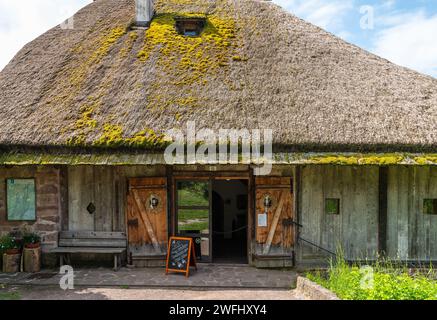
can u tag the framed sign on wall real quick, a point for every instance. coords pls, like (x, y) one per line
(21, 199)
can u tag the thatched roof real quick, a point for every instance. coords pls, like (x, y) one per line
(255, 66)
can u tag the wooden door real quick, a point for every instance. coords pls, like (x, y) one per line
(147, 217)
(274, 216)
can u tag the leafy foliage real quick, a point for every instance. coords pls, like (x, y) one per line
(31, 238)
(8, 242)
(390, 281)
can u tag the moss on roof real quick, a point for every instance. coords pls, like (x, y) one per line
(105, 158)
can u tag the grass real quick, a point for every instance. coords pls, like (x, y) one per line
(192, 193)
(383, 280)
(201, 226)
(189, 197)
(10, 295)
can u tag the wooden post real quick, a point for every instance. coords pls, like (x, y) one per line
(32, 260)
(382, 211)
(11, 263)
(115, 262)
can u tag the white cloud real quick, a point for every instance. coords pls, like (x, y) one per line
(20, 24)
(409, 40)
(325, 14)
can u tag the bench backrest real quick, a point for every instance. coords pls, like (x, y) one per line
(92, 239)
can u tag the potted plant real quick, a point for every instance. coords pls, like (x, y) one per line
(12, 253)
(10, 245)
(31, 252)
(31, 240)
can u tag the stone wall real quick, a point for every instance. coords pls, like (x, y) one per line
(48, 203)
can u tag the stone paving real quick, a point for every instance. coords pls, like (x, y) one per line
(53, 293)
(208, 276)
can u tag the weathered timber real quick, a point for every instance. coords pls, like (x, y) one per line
(32, 260)
(11, 263)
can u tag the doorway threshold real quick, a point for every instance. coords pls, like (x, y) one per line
(224, 264)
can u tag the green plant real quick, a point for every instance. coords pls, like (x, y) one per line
(8, 242)
(390, 280)
(31, 238)
(10, 296)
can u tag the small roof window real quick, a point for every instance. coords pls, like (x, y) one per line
(190, 26)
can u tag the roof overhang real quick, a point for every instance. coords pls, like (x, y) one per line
(14, 158)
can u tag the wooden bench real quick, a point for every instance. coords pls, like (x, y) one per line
(71, 242)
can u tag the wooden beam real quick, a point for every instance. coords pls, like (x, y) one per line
(297, 192)
(274, 224)
(142, 209)
(171, 217)
(63, 193)
(382, 211)
(251, 217)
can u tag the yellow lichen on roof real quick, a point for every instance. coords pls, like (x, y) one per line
(112, 136)
(104, 46)
(187, 62)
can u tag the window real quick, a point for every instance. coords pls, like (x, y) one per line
(332, 206)
(20, 199)
(430, 206)
(191, 27)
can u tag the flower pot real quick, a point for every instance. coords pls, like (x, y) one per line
(32, 259)
(11, 263)
(32, 245)
(12, 251)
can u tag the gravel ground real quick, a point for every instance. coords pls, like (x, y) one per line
(44, 293)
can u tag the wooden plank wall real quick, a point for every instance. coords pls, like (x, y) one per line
(356, 228)
(411, 234)
(102, 186)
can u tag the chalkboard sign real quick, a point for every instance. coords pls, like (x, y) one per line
(181, 255)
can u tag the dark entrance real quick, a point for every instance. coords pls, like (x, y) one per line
(229, 221)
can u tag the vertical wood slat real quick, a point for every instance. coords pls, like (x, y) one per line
(382, 210)
(63, 181)
(145, 219)
(297, 202)
(251, 216)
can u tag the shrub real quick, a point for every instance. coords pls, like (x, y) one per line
(390, 281)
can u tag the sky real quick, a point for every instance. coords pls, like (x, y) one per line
(402, 31)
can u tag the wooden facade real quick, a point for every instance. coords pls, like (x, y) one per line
(380, 209)
(411, 234)
(355, 228)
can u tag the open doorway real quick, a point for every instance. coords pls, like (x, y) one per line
(229, 221)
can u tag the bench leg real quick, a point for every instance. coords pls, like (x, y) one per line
(61, 260)
(115, 262)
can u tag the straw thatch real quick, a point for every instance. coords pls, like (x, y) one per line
(107, 84)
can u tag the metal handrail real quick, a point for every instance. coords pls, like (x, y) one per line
(317, 246)
(312, 243)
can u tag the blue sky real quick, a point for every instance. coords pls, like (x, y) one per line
(403, 31)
